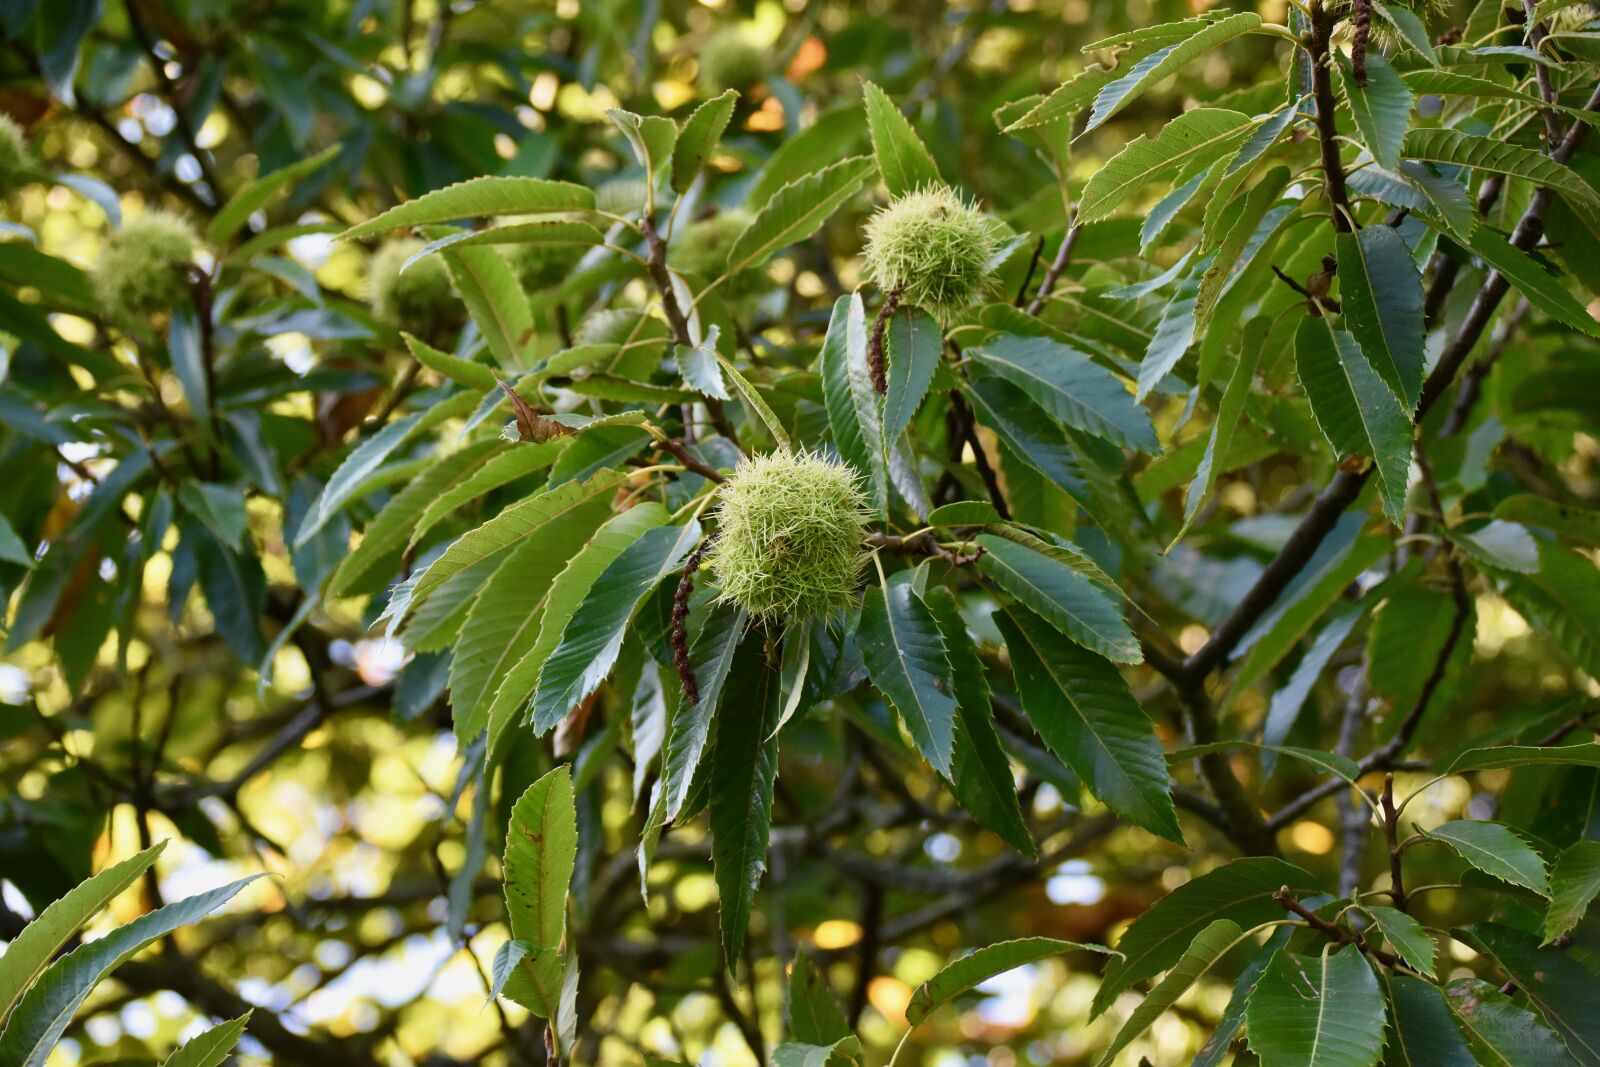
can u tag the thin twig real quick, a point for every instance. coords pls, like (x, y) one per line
(922, 544)
(1057, 266)
(1391, 835)
(1027, 279)
(969, 431)
(1333, 931)
(1327, 131)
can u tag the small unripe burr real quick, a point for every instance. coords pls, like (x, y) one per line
(414, 298)
(143, 269)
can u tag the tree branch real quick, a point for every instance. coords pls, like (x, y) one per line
(1327, 130)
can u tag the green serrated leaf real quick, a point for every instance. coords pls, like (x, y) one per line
(472, 375)
(1209, 946)
(1356, 411)
(495, 300)
(211, 1047)
(1068, 599)
(47, 1008)
(1496, 850)
(1321, 1011)
(979, 966)
(1407, 638)
(31, 951)
(1241, 891)
(744, 766)
(1543, 290)
(1381, 293)
(1411, 29)
(906, 660)
(1195, 138)
(476, 198)
(568, 591)
(1151, 70)
(387, 533)
(815, 1017)
(1574, 883)
(510, 528)
(1405, 935)
(650, 137)
(544, 232)
(796, 210)
(1424, 1034)
(851, 400)
(502, 468)
(1232, 254)
(913, 344)
(1083, 710)
(592, 638)
(758, 407)
(1229, 414)
(504, 621)
(362, 462)
(1071, 387)
(1561, 602)
(903, 160)
(711, 653)
(541, 853)
(1381, 109)
(1559, 984)
(257, 194)
(1497, 156)
(981, 772)
(699, 138)
(1501, 1033)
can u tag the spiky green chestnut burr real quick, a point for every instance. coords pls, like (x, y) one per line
(540, 266)
(934, 249)
(621, 196)
(791, 529)
(17, 164)
(144, 268)
(412, 299)
(731, 60)
(702, 248)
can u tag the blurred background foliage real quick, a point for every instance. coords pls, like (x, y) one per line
(134, 706)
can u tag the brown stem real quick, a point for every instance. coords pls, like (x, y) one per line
(923, 544)
(1537, 32)
(1027, 279)
(1332, 930)
(1342, 491)
(1247, 829)
(1559, 734)
(656, 264)
(1053, 272)
(1391, 834)
(1327, 130)
(969, 430)
(687, 458)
